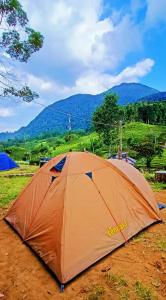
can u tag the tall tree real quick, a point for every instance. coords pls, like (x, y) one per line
(17, 42)
(105, 116)
(147, 149)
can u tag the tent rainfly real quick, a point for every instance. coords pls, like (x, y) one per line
(6, 163)
(78, 208)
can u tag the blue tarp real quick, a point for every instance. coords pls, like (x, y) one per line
(6, 163)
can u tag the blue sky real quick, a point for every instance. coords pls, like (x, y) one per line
(90, 46)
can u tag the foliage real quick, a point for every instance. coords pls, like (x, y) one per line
(50, 146)
(81, 108)
(147, 112)
(148, 148)
(19, 42)
(105, 117)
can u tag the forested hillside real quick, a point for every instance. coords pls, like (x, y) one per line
(80, 107)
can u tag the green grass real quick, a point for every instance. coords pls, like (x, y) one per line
(143, 292)
(96, 293)
(10, 188)
(77, 145)
(116, 281)
(161, 244)
(124, 295)
(158, 186)
(138, 130)
(58, 145)
(23, 169)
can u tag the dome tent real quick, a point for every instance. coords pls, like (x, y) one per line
(6, 163)
(78, 208)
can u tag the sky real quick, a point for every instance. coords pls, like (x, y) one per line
(89, 47)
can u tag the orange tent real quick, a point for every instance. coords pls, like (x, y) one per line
(79, 207)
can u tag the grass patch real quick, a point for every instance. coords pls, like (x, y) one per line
(124, 295)
(96, 293)
(115, 281)
(143, 293)
(140, 237)
(24, 168)
(158, 186)
(10, 188)
(161, 244)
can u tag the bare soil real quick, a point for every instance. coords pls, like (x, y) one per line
(24, 277)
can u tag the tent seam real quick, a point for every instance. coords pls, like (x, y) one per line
(108, 209)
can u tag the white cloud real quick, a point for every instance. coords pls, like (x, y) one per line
(96, 82)
(84, 49)
(39, 83)
(6, 112)
(93, 81)
(77, 37)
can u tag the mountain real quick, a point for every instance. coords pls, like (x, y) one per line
(161, 96)
(131, 92)
(81, 107)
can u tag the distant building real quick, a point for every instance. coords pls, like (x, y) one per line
(126, 158)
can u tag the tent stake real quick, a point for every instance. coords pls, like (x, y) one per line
(62, 288)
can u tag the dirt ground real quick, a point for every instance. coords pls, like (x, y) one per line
(143, 259)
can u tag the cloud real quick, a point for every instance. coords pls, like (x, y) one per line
(39, 83)
(86, 48)
(96, 82)
(93, 81)
(78, 37)
(6, 112)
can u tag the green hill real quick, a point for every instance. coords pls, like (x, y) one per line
(52, 146)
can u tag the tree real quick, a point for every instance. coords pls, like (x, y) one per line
(147, 149)
(18, 42)
(105, 116)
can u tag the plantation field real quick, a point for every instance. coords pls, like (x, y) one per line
(32, 150)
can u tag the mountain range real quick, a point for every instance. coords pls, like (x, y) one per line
(55, 117)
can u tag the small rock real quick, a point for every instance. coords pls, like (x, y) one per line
(106, 269)
(163, 256)
(84, 290)
(158, 265)
(49, 292)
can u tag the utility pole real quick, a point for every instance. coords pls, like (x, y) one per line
(69, 122)
(69, 125)
(120, 141)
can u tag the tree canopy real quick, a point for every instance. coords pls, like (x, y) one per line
(18, 42)
(148, 148)
(105, 118)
